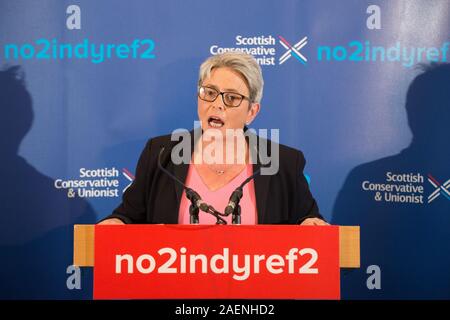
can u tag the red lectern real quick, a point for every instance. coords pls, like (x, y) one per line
(216, 261)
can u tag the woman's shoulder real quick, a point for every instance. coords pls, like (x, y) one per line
(285, 151)
(290, 151)
(282, 158)
(165, 140)
(161, 138)
(291, 157)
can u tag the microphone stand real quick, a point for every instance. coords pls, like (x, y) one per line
(194, 197)
(193, 213)
(217, 214)
(236, 216)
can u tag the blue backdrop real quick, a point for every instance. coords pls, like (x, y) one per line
(374, 135)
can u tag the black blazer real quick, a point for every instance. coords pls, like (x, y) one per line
(153, 197)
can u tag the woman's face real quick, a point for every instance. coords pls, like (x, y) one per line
(218, 116)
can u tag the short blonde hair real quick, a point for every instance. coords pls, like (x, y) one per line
(243, 63)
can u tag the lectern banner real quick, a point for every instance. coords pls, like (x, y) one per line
(210, 262)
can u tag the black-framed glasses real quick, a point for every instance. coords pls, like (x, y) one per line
(230, 99)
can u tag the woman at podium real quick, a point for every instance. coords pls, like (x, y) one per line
(222, 171)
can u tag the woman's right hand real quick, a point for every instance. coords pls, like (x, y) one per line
(112, 221)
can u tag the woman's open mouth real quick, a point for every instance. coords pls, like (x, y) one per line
(215, 122)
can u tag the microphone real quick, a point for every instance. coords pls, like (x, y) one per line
(233, 203)
(194, 197)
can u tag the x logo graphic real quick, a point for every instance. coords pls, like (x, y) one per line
(293, 50)
(129, 176)
(439, 189)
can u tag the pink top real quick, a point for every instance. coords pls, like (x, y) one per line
(219, 198)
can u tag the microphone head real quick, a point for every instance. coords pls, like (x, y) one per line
(203, 206)
(236, 195)
(192, 195)
(196, 199)
(229, 210)
(234, 201)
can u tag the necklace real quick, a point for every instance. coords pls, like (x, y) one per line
(216, 171)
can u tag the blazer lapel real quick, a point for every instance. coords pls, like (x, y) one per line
(180, 171)
(261, 183)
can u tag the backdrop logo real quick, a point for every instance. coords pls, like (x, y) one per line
(264, 49)
(92, 183)
(293, 51)
(397, 187)
(129, 176)
(439, 189)
(406, 188)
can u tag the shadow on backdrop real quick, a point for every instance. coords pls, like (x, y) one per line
(174, 106)
(36, 220)
(405, 232)
(176, 98)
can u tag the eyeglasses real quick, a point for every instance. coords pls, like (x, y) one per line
(230, 99)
